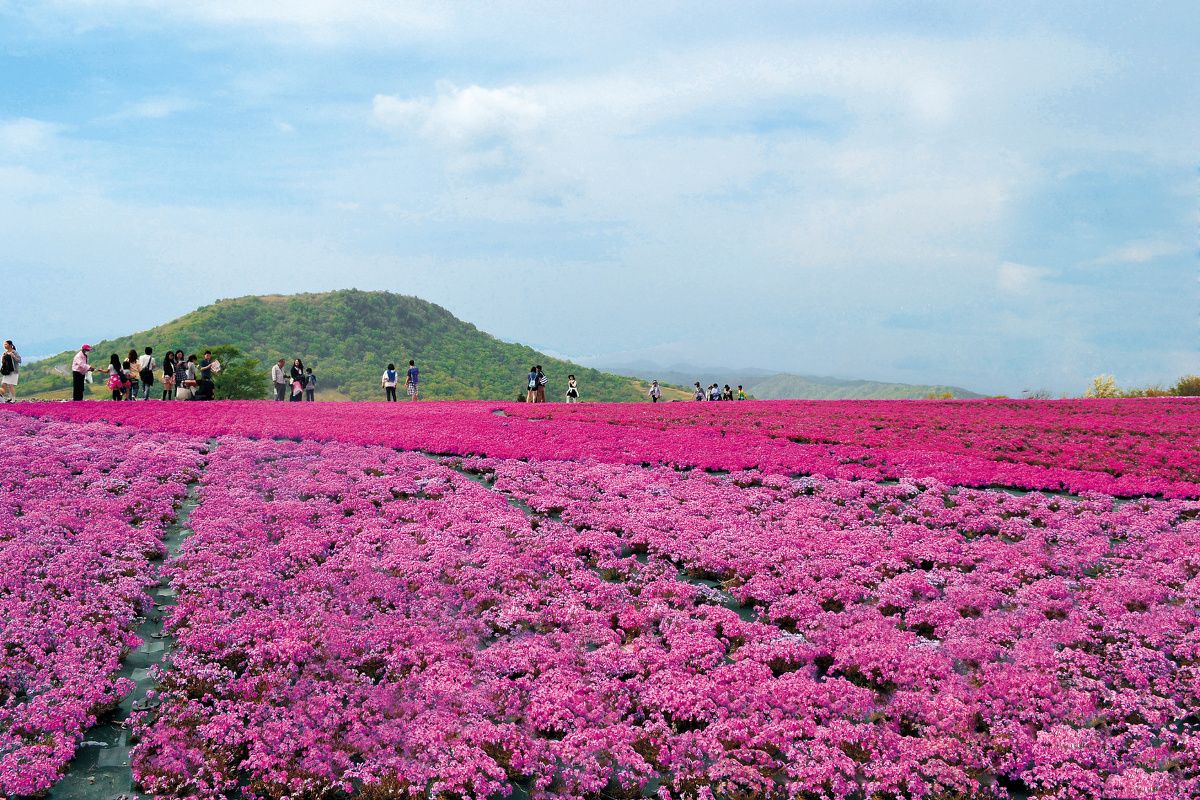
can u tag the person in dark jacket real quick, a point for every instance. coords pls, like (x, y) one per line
(297, 380)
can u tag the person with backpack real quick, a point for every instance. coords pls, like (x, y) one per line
(541, 388)
(572, 390)
(531, 384)
(655, 392)
(10, 368)
(698, 394)
(389, 383)
(741, 395)
(146, 365)
(310, 385)
(410, 383)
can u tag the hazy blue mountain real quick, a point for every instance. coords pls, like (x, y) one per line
(767, 385)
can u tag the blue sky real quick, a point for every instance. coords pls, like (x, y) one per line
(996, 195)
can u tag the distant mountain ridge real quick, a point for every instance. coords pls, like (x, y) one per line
(767, 385)
(348, 337)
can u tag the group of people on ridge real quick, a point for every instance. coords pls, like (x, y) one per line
(715, 392)
(391, 377)
(296, 384)
(535, 386)
(183, 377)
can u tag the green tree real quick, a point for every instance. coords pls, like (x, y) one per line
(1103, 386)
(239, 378)
(1188, 386)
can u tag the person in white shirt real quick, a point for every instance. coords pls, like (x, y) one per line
(389, 379)
(655, 392)
(10, 371)
(572, 390)
(146, 367)
(280, 378)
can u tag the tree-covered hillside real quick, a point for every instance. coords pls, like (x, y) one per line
(348, 338)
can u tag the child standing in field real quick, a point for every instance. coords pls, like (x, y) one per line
(572, 390)
(310, 385)
(389, 383)
(410, 383)
(741, 394)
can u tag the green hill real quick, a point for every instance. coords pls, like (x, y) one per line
(347, 338)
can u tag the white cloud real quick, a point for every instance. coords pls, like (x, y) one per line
(464, 117)
(1140, 252)
(299, 13)
(25, 135)
(1019, 278)
(153, 108)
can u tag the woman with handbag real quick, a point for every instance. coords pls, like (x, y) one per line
(10, 368)
(168, 376)
(132, 375)
(297, 375)
(116, 377)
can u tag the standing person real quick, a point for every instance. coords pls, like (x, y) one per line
(572, 390)
(699, 393)
(741, 395)
(168, 376)
(310, 385)
(146, 365)
(130, 368)
(531, 385)
(297, 380)
(79, 369)
(655, 392)
(279, 379)
(116, 377)
(410, 383)
(10, 368)
(389, 383)
(185, 376)
(714, 392)
(541, 388)
(727, 393)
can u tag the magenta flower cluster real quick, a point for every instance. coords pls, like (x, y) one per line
(1119, 447)
(82, 507)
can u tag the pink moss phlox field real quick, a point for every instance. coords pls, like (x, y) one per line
(1119, 447)
(82, 507)
(575, 602)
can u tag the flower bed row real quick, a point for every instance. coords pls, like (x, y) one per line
(968, 635)
(1120, 447)
(361, 621)
(82, 508)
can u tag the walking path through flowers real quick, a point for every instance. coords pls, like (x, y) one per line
(825, 608)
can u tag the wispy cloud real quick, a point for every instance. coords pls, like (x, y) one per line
(1020, 278)
(153, 108)
(25, 135)
(1141, 252)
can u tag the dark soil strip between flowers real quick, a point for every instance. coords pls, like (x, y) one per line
(101, 767)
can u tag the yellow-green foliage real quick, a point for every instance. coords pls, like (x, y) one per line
(1103, 386)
